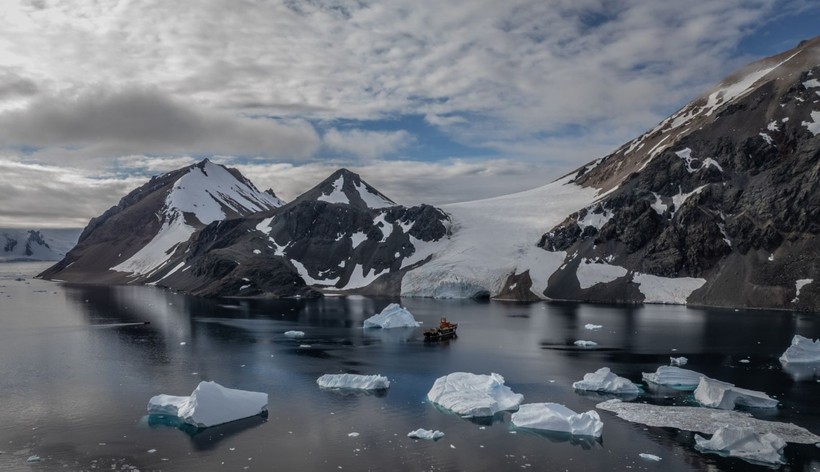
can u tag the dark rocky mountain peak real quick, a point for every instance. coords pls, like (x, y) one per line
(346, 187)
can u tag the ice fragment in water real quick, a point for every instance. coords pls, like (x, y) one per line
(559, 418)
(744, 443)
(425, 434)
(603, 380)
(716, 394)
(353, 381)
(474, 395)
(393, 316)
(210, 404)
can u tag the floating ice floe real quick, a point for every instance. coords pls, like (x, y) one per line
(678, 360)
(210, 404)
(353, 381)
(295, 334)
(744, 443)
(675, 377)
(592, 326)
(649, 457)
(393, 316)
(802, 351)
(704, 420)
(559, 418)
(474, 395)
(603, 380)
(426, 434)
(583, 343)
(716, 394)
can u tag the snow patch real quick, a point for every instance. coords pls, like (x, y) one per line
(798, 285)
(371, 199)
(658, 205)
(337, 195)
(473, 395)
(666, 289)
(811, 83)
(814, 124)
(357, 238)
(559, 418)
(303, 273)
(679, 199)
(590, 274)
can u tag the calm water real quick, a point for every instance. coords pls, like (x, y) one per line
(74, 385)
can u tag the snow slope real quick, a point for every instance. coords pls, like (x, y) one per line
(495, 238)
(18, 244)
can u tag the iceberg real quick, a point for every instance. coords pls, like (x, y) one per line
(675, 377)
(353, 381)
(295, 334)
(603, 380)
(425, 434)
(559, 418)
(716, 394)
(583, 343)
(649, 457)
(474, 395)
(592, 326)
(802, 351)
(704, 420)
(744, 443)
(393, 316)
(678, 360)
(210, 404)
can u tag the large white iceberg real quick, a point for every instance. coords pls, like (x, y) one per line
(744, 443)
(802, 351)
(603, 380)
(716, 394)
(353, 381)
(474, 395)
(704, 420)
(425, 434)
(675, 377)
(210, 404)
(393, 316)
(556, 417)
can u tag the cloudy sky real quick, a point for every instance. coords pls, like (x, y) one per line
(429, 101)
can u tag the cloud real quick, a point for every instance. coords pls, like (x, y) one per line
(368, 145)
(147, 121)
(41, 196)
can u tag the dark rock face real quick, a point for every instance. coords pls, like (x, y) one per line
(18, 244)
(733, 198)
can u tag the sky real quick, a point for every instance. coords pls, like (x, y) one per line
(429, 101)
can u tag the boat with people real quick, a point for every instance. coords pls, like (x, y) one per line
(445, 330)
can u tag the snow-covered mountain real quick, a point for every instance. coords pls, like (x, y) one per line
(136, 240)
(50, 244)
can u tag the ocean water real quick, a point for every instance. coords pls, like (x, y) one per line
(77, 367)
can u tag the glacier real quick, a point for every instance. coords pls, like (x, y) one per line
(353, 381)
(210, 404)
(474, 395)
(559, 418)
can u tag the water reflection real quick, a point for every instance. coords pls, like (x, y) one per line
(204, 439)
(584, 442)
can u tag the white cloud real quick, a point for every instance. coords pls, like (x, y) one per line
(368, 145)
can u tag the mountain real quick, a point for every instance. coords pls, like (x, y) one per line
(136, 240)
(717, 205)
(36, 244)
(341, 236)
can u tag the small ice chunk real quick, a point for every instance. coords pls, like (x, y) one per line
(474, 395)
(603, 380)
(592, 326)
(33, 459)
(210, 404)
(557, 417)
(678, 360)
(675, 377)
(802, 350)
(353, 434)
(583, 343)
(649, 457)
(744, 361)
(295, 334)
(744, 443)
(257, 251)
(393, 316)
(716, 394)
(353, 381)
(426, 434)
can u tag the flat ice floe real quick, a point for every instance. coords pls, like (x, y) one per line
(295, 334)
(559, 418)
(474, 395)
(704, 420)
(428, 434)
(353, 381)
(584, 343)
(393, 316)
(603, 380)
(675, 377)
(802, 351)
(716, 394)
(744, 443)
(210, 404)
